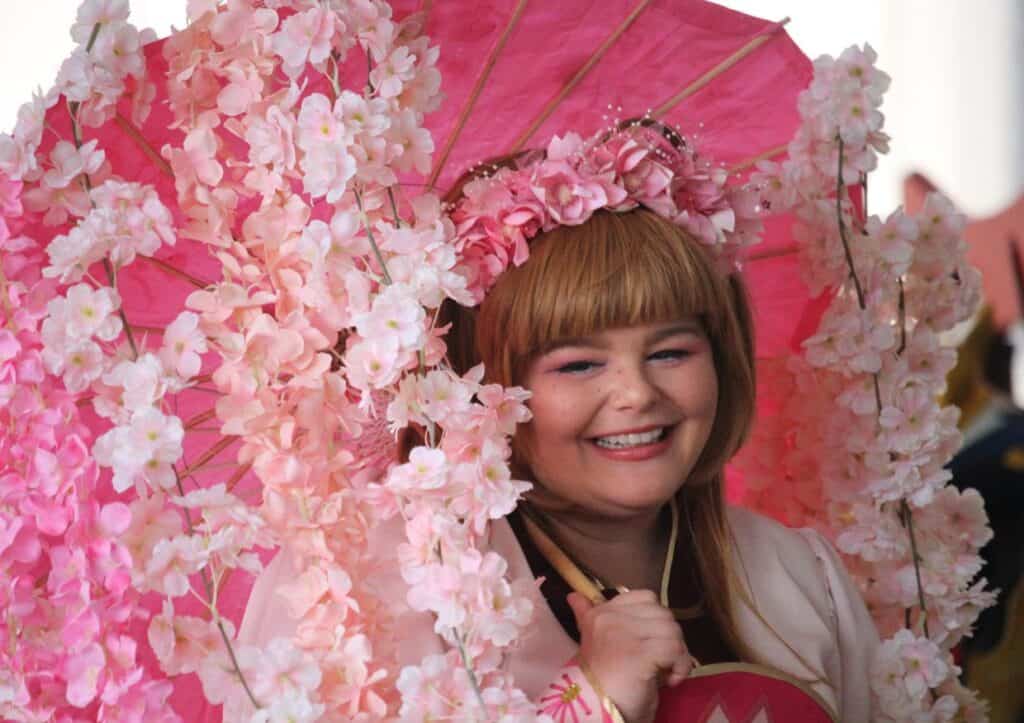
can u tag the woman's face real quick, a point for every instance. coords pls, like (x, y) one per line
(621, 417)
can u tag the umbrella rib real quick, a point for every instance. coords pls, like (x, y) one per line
(175, 271)
(772, 253)
(208, 455)
(128, 127)
(200, 418)
(237, 476)
(580, 74)
(148, 329)
(750, 46)
(478, 87)
(762, 156)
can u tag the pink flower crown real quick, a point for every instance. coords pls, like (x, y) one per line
(641, 164)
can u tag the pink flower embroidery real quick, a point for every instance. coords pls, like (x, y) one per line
(562, 705)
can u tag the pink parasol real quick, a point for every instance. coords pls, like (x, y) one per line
(514, 74)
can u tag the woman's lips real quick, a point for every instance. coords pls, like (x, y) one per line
(640, 452)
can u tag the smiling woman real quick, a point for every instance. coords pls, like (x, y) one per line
(636, 346)
(638, 353)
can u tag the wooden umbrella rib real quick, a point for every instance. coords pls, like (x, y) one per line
(772, 253)
(209, 454)
(175, 271)
(129, 128)
(148, 329)
(478, 87)
(749, 47)
(762, 156)
(238, 475)
(579, 76)
(200, 419)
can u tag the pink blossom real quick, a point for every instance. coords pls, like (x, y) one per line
(427, 469)
(152, 521)
(82, 313)
(304, 37)
(78, 362)
(271, 139)
(361, 116)
(958, 516)
(317, 125)
(142, 382)
(894, 239)
(172, 562)
(97, 12)
(201, 147)
(134, 218)
(144, 449)
(415, 142)
(83, 671)
(183, 345)
(851, 337)
(375, 363)
(18, 150)
(395, 313)
(69, 162)
(72, 254)
(568, 197)
(118, 48)
(181, 642)
(295, 709)
(326, 171)
(389, 76)
(284, 671)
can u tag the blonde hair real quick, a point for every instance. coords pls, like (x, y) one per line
(615, 270)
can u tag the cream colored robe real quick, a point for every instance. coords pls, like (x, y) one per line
(810, 621)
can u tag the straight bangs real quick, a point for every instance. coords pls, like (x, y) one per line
(616, 270)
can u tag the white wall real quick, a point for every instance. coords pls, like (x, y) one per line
(957, 100)
(36, 37)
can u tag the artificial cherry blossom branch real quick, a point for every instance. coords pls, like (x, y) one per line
(906, 514)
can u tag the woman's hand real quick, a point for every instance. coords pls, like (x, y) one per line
(632, 645)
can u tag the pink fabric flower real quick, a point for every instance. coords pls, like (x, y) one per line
(304, 37)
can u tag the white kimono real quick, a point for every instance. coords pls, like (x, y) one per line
(810, 622)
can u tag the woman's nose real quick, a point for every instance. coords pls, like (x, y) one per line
(633, 388)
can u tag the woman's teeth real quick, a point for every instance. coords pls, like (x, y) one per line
(622, 441)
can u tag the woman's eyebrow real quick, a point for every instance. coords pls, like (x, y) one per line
(687, 327)
(572, 341)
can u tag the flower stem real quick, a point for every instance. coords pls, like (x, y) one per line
(467, 664)
(907, 517)
(842, 229)
(369, 235)
(903, 318)
(211, 595)
(394, 206)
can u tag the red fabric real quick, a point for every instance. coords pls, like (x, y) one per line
(738, 697)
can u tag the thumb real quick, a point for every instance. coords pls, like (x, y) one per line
(579, 604)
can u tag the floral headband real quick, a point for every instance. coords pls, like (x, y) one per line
(641, 164)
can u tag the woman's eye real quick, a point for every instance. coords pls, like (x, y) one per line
(576, 367)
(670, 354)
